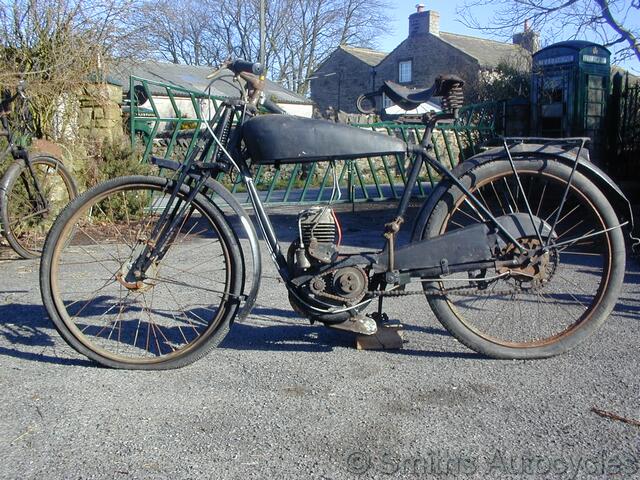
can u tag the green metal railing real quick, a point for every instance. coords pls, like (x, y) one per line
(162, 130)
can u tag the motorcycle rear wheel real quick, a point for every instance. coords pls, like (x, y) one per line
(535, 313)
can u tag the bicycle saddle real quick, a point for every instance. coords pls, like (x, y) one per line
(410, 98)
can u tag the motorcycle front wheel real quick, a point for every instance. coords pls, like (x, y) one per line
(556, 301)
(184, 304)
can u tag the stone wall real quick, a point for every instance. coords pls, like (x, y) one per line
(100, 113)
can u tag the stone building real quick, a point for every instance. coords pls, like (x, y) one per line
(426, 53)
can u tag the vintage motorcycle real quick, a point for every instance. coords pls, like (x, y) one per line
(519, 250)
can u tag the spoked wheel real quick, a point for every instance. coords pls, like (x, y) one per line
(170, 315)
(28, 213)
(562, 294)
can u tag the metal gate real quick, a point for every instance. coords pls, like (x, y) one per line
(169, 125)
(624, 128)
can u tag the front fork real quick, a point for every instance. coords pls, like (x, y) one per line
(175, 214)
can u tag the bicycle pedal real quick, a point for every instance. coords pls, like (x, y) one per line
(389, 336)
(358, 324)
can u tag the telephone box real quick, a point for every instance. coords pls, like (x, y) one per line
(570, 86)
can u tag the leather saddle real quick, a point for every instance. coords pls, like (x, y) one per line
(410, 98)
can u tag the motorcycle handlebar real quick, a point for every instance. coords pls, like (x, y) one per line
(240, 66)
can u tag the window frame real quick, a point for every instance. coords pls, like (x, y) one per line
(405, 61)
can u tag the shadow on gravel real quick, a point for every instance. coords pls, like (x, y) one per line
(28, 326)
(284, 336)
(629, 305)
(290, 337)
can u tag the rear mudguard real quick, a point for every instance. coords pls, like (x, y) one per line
(524, 151)
(226, 197)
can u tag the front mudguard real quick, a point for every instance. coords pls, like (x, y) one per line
(525, 151)
(224, 198)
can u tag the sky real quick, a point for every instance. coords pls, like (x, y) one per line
(399, 22)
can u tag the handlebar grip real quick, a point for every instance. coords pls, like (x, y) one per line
(239, 66)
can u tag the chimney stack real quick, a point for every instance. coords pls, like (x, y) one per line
(423, 22)
(528, 39)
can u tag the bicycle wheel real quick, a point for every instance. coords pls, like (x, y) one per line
(26, 217)
(560, 296)
(179, 311)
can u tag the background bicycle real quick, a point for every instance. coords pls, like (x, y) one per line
(34, 187)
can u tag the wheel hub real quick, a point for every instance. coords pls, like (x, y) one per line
(537, 265)
(143, 283)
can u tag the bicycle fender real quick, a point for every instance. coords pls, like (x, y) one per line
(620, 203)
(9, 173)
(247, 225)
(252, 236)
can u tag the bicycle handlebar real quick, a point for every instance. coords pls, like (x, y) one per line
(240, 66)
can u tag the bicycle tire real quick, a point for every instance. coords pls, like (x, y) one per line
(65, 241)
(27, 238)
(571, 289)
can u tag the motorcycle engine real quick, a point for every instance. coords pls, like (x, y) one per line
(316, 243)
(317, 246)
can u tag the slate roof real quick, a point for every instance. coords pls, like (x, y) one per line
(367, 55)
(194, 78)
(488, 53)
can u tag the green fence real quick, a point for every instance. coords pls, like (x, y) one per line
(170, 124)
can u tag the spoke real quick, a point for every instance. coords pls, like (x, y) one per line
(110, 220)
(470, 216)
(589, 235)
(151, 325)
(117, 260)
(515, 204)
(575, 285)
(571, 229)
(495, 192)
(189, 270)
(95, 294)
(39, 212)
(544, 189)
(196, 246)
(570, 212)
(96, 260)
(183, 284)
(100, 318)
(183, 312)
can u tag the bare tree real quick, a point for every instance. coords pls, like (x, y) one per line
(300, 33)
(56, 45)
(613, 22)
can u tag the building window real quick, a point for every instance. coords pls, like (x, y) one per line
(404, 71)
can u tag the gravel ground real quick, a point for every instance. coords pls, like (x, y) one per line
(286, 399)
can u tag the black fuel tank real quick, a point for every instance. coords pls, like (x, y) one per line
(289, 139)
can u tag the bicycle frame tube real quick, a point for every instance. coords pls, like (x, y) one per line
(420, 153)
